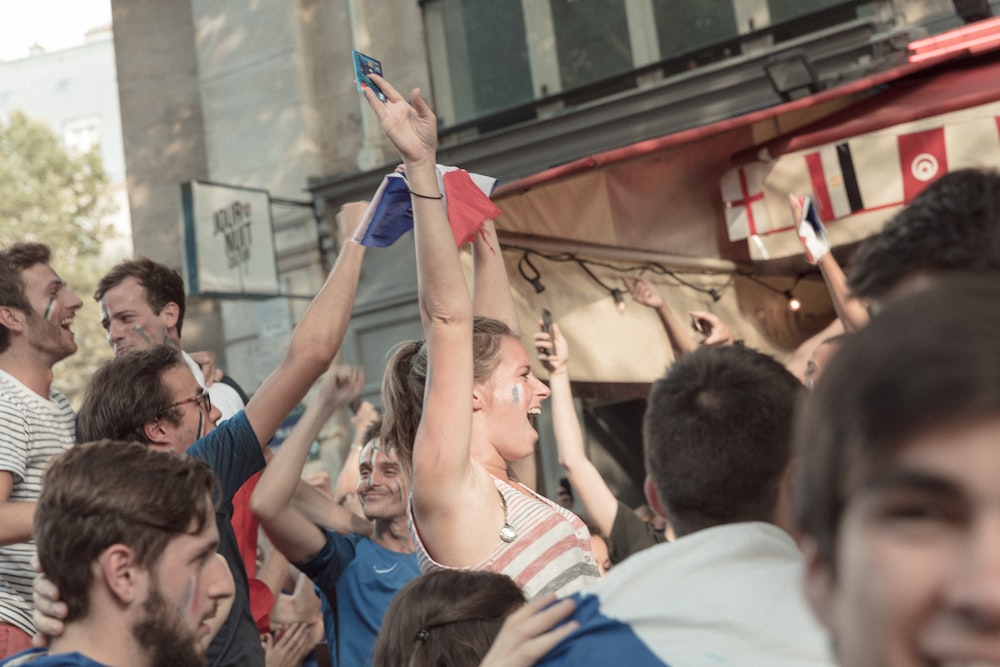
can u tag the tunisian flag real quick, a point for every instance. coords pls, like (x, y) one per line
(923, 159)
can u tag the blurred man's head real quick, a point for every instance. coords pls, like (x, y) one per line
(898, 483)
(128, 536)
(953, 226)
(142, 304)
(717, 438)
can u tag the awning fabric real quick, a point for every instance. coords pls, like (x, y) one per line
(667, 195)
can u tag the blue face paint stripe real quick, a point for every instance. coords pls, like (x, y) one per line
(48, 308)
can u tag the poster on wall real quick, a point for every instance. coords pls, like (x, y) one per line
(229, 241)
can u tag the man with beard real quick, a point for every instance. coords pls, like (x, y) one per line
(36, 422)
(129, 537)
(150, 396)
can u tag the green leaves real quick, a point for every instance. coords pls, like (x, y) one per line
(62, 200)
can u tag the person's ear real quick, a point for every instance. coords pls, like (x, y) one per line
(478, 397)
(818, 581)
(12, 318)
(118, 569)
(157, 433)
(169, 315)
(653, 497)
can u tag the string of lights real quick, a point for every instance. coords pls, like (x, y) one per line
(531, 274)
(794, 304)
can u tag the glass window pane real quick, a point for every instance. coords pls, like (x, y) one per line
(683, 27)
(592, 40)
(487, 55)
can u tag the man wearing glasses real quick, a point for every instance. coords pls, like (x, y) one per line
(151, 396)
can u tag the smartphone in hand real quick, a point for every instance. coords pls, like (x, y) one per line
(546, 327)
(363, 66)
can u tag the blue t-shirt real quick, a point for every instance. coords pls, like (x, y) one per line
(39, 657)
(358, 579)
(233, 452)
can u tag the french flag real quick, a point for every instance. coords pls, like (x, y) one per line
(465, 196)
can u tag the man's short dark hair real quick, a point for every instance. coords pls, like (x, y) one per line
(161, 284)
(14, 260)
(953, 225)
(717, 436)
(105, 493)
(924, 362)
(126, 393)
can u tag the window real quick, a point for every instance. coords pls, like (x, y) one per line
(82, 134)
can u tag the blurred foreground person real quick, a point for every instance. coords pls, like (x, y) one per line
(129, 537)
(898, 489)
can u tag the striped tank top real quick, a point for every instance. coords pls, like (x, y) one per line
(550, 553)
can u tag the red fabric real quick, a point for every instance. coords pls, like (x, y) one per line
(468, 207)
(245, 526)
(13, 640)
(261, 604)
(923, 159)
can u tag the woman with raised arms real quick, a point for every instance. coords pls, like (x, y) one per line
(479, 398)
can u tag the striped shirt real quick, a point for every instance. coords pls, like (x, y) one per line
(33, 431)
(551, 553)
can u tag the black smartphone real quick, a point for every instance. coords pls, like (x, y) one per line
(546, 327)
(699, 325)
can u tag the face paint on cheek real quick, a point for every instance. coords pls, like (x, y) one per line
(515, 394)
(48, 308)
(399, 491)
(141, 330)
(187, 601)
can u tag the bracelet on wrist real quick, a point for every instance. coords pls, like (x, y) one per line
(417, 194)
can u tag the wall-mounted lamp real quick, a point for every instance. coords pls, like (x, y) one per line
(619, 298)
(792, 75)
(536, 279)
(973, 10)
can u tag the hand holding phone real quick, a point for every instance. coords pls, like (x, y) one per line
(546, 328)
(363, 66)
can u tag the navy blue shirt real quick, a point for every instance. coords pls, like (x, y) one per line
(233, 452)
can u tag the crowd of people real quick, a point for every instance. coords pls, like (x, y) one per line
(841, 509)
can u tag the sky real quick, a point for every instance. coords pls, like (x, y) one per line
(54, 24)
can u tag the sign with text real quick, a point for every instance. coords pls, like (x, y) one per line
(229, 240)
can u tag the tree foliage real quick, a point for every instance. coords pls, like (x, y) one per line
(52, 197)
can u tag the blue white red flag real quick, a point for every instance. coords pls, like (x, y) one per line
(465, 197)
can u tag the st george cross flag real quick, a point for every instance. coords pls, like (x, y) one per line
(465, 198)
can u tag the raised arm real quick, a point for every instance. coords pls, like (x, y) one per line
(586, 480)
(644, 292)
(347, 480)
(291, 529)
(491, 294)
(314, 344)
(450, 493)
(851, 311)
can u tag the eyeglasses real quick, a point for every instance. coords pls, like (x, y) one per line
(201, 398)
